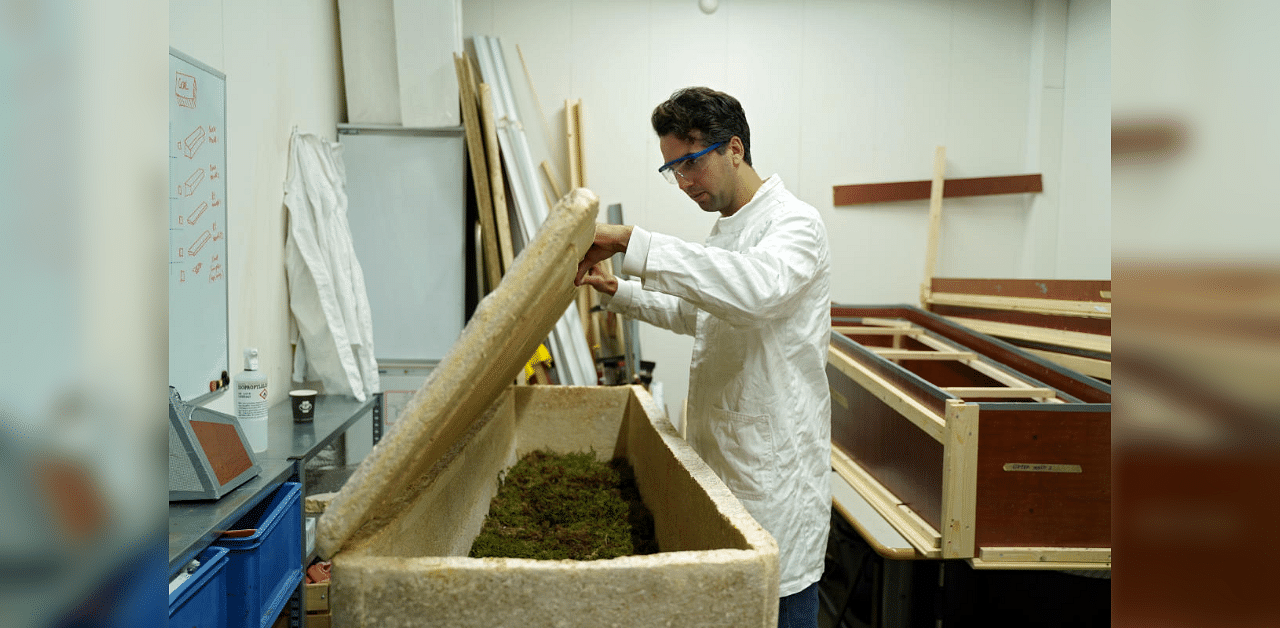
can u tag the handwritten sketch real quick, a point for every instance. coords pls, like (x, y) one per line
(189, 186)
(195, 215)
(197, 268)
(193, 142)
(185, 90)
(199, 243)
(215, 273)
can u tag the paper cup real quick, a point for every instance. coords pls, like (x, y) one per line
(304, 405)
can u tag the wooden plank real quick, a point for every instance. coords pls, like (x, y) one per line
(1075, 340)
(573, 132)
(912, 410)
(935, 217)
(1061, 289)
(895, 323)
(1046, 567)
(865, 193)
(915, 530)
(1089, 366)
(1089, 309)
(851, 330)
(489, 127)
(551, 180)
(959, 480)
(906, 354)
(983, 392)
(871, 526)
(1090, 555)
(479, 171)
(1079, 324)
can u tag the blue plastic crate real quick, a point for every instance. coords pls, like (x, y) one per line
(200, 602)
(264, 568)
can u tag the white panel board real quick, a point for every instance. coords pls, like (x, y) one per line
(427, 35)
(406, 207)
(369, 68)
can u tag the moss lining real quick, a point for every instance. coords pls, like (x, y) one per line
(566, 506)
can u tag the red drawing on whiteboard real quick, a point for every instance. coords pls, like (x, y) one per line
(213, 134)
(215, 273)
(213, 172)
(195, 215)
(214, 197)
(196, 270)
(182, 276)
(185, 90)
(193, 142)
(189, 187)
(199, 243)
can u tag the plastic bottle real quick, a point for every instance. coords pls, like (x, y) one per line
(251, 401)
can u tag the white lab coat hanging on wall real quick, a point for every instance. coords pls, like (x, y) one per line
(334, 325)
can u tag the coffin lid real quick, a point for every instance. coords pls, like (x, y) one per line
(504, 332)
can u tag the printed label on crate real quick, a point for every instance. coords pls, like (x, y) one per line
(1042, 468)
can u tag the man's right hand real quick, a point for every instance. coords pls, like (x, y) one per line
(601, 279)
(609, 239)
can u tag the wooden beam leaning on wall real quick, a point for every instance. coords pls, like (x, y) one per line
(489, 127)
(573, 129)
(479, 171)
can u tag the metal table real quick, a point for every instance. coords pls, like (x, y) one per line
(194, 525)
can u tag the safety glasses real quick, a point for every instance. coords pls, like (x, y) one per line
(686, 166)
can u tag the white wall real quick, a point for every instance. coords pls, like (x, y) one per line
(842, 92)
(283, 68)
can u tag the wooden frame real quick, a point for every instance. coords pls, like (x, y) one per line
(1065, 321)
(981, 452)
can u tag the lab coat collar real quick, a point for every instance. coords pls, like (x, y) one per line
(757, 204)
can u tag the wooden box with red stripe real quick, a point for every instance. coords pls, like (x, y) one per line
(971, 447)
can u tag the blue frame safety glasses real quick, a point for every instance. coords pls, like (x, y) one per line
(684, 166)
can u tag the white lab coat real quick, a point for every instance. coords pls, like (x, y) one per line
(756, 298)
(327, 294)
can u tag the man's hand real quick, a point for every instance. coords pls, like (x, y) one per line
(610, 239)
(601, 279)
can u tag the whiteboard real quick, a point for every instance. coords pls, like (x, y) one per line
(198, 348)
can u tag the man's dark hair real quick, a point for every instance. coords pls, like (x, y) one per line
(717, 115)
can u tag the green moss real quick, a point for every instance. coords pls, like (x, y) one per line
(566, 506)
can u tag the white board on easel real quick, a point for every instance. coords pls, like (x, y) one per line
(198, 347)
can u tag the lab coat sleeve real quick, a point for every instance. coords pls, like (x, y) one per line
(741, 288)
(660, 310)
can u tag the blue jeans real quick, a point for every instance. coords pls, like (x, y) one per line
(799, 610)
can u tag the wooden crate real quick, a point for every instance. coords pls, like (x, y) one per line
(398, 532)
(969, 446)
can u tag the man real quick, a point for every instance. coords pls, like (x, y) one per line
(756, 298)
